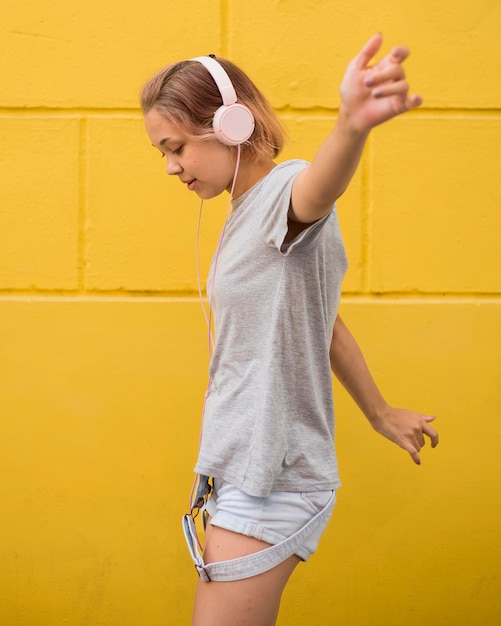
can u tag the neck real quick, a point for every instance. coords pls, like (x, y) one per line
(249, 173)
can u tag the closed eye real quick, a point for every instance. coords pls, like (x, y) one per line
(175, 152)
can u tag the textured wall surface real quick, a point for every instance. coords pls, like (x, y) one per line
(103, 359)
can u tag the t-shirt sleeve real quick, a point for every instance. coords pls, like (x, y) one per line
(275, 203)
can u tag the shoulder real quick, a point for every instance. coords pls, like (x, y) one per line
(284, 174)
(290, 167)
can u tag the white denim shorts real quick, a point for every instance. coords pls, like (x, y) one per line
(272, 519)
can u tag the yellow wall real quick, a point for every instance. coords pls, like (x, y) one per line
(102, 343)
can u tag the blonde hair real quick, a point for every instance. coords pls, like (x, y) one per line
(186, 94)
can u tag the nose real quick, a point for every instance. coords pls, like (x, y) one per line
(173, 167)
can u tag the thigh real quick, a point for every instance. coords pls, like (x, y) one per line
(252, 601)
(271, 519)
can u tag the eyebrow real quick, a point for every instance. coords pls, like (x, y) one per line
(163, 141)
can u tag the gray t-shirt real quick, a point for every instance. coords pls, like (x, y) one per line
(268, 422)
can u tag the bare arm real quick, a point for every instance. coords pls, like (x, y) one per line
(403, 427)
(370, 95)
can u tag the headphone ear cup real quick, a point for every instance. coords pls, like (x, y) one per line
(233, 124)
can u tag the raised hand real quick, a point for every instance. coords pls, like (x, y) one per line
(373, 94)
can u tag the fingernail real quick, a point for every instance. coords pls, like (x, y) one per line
(369, 81)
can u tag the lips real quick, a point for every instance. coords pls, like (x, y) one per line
(189, 183)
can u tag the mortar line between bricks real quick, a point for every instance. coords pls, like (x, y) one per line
(134, 112)
(224, 9)
(366, 217)
(362, 298)
(82, 206)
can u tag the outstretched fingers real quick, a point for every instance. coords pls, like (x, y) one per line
(398, 54)
(405, 103)
(369, 51)
(386, 78)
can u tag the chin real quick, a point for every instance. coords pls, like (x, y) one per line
(208, 195)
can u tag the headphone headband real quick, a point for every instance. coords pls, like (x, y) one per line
(233, 122)
(221, 78)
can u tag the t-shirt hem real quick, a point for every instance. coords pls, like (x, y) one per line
(260, 491)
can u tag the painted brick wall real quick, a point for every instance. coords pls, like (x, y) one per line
(103, 361)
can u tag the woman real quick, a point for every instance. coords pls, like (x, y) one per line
(274, 288)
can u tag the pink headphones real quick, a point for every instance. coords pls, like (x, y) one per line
(233, 123)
